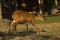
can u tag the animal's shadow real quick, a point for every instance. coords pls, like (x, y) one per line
(20, 33)
(23, 33)
(4, 36)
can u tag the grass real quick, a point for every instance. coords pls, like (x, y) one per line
(49, 19)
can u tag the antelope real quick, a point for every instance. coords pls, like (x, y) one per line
(23, 16)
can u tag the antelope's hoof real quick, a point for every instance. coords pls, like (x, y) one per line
(44, 30)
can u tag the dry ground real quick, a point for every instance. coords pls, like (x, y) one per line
(48, 31)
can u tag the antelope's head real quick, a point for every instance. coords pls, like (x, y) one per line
(40, 17)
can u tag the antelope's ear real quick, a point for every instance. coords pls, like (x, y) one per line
(40, 14)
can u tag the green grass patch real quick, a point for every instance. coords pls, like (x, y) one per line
(49, 19)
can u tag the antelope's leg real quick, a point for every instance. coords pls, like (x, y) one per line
(11, 25)
(32, 22)
(38, 32)
(9, 28)
(27, 26)
(15, 28)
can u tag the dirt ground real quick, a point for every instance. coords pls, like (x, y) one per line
(47, 31)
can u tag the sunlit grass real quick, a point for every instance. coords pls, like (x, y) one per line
(49, 19)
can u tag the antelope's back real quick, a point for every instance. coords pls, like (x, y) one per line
(20, 15)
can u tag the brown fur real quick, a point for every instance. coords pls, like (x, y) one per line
(20, 15)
